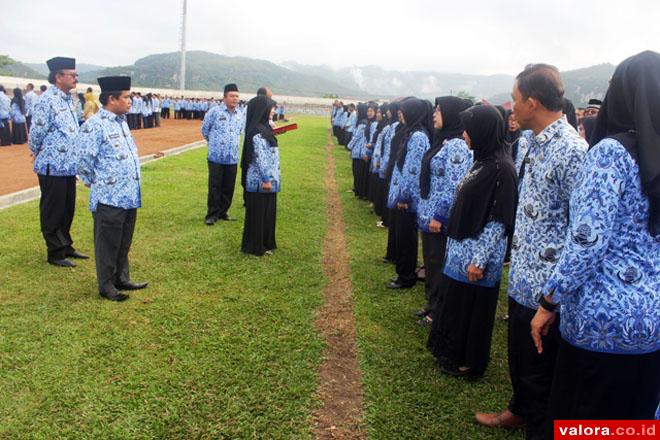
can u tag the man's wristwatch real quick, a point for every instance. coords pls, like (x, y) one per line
(547, 305)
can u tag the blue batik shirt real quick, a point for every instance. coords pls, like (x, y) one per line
(54, 128)
(404, 187)
(5, 106)
(486, 252)
(607, 279)
(351, 122)
(222, 129)
(109, 161)
(555, 156)
(387, 147)
(337, 117)
(357, 141)
(374, 167)
(30, 101)
(264, 167)
(448, 167)
(17, 116)
(369, 140)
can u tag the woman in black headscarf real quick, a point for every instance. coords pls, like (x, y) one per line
(586, 127)
(367, 150)
(18, 126)
(390, 150)
(480, 221)
(260, 164)
(511, 134)
(417, 120)
(356, 145)
(443, 167)
(375, 184)
(607, 279)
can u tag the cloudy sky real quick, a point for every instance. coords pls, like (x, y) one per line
(466, 36)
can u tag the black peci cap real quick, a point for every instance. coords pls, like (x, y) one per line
(61, 63)
(231, 88)
(114, 83)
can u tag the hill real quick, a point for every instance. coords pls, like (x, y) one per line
(80, 67)
(209, 71)
(11, 67)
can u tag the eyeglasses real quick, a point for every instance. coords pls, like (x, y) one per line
(72, 75)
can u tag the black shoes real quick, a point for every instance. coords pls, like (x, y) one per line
(114, 296)
(78, 255)
(210, 221)
(131, 286)
(62, 263)
(398, 285)
(228, 218)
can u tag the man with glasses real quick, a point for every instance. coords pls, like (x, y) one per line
(54, 127)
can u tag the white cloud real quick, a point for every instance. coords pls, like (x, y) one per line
(470, 36)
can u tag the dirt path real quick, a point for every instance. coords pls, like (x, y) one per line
(340, 386)
(16, 166)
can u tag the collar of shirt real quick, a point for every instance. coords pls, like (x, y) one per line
(550, 132)
(224, 107)
(57, 92)
(106, 114)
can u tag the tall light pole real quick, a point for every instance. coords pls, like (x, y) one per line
(182, 73)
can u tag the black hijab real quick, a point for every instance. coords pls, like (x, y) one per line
(511, 137)
(383, 121)
(488, 192)
(630, 113)
(452, 127)
(397, 136)
(418, 114)
(367, 129)
(256, 122)
(362, 113)
(589, 124)
(569, 110)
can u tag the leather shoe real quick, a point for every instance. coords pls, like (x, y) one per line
(114, 296)
(397, 285)
(228, 219)
(62, 263)
(78, 255)
(131, 286)
(210, 221)
(505, 419)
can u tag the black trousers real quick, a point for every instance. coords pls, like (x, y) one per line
(356, 174)
(56, 210)
(601, 386)
(222, 180)
(406, 247)
(113, 235)
(18, 133)
(363, 179)
(5, 132)
(531, 373)
(28, 122)
(260, 219)
(391, 252)
(433, 250)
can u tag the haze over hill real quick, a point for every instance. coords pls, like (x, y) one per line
(209, 71)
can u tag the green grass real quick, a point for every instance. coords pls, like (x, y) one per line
(406, 397)
(221, 345)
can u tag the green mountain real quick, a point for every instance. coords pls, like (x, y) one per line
(80, 67)
(11, 67)
(208, 71)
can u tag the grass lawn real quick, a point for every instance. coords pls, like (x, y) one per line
(405, 395)
(221, 345)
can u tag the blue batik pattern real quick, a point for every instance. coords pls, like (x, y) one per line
(5, 106)
(448, 167)
(356, 142)
(555, 156)
(30, 101)
(17, 115)
(404, 187)
(54, 128)
(368, 145)
(264, 167)
(222, 129)
(608, 275)
(374, 167)
(351, 122)
(109, 161)
(486, 252)
(387, 146)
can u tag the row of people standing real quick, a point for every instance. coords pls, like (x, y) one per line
(16, 114)
(456, 181)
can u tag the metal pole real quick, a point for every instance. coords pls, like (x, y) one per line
(182, 73)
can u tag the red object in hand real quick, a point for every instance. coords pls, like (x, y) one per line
(285, 128)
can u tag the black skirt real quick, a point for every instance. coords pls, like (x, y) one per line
(463, 326)
(588, 385)
(18, 133)
(5, 132)
(259, 227)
